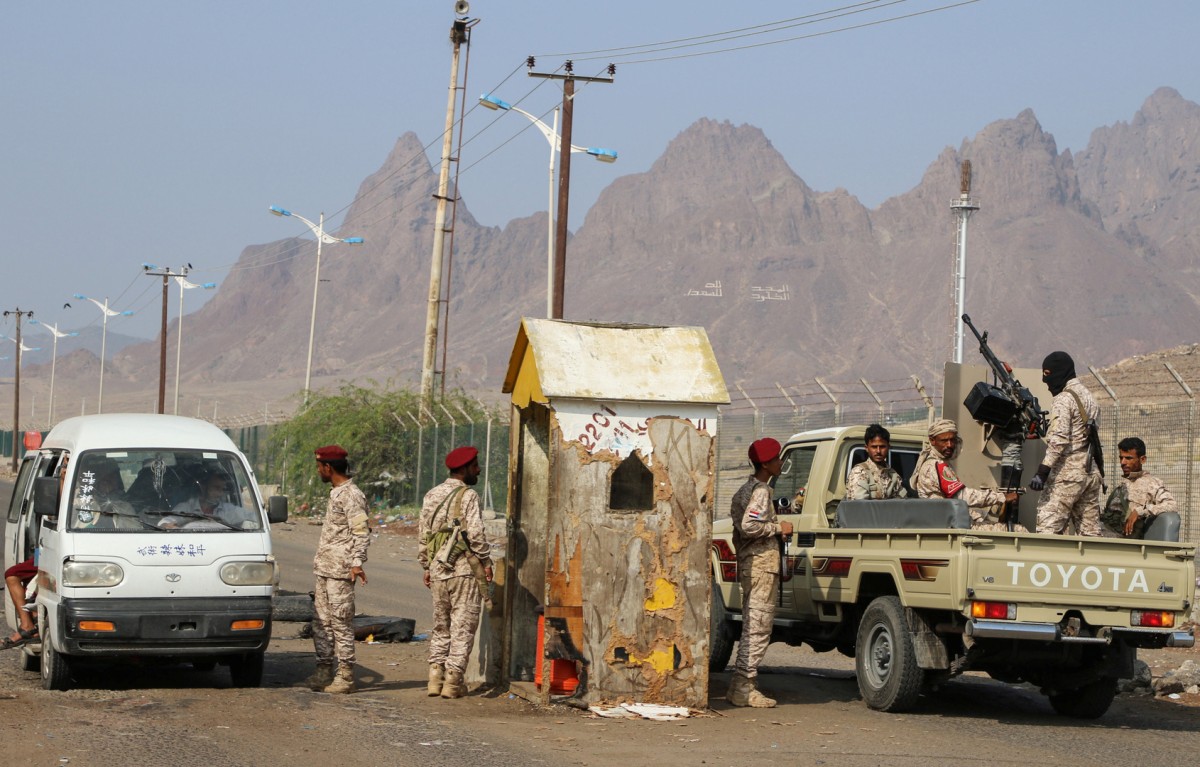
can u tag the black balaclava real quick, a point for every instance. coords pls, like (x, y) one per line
(1057, 369)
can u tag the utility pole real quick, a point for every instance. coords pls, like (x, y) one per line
(460, 34)
(569, 79)
(166, 274)
(17, 384)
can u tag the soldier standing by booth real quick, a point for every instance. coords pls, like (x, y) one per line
(756, 540)
(451, 535)
(337, 565)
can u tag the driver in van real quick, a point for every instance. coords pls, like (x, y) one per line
(209, 509)
(100, 497)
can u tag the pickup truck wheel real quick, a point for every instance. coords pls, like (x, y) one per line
(56, 669)
(1089, 701)
(722, 634)
(30, 661)
(886, 665)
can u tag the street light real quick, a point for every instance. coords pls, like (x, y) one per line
(184, 284)
(317, 229)
(551, 133)
(103, 340)
(53, 358)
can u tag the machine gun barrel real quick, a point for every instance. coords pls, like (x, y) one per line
(1033, 418)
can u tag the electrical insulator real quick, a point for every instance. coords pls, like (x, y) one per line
(612, 70)
(569, 66)
(529, 62)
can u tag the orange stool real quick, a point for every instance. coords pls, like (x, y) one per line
(563, 676)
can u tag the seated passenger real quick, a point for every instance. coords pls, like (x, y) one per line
(873, 479)
(210, 510)
(934, 478)
(100, 497)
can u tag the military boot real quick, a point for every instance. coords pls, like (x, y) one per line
(454, 686)
(437, 674)
(344, 682)
(320, 679)
(756, 699)
(739, 691)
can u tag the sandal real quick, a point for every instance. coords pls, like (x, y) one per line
(25, 637)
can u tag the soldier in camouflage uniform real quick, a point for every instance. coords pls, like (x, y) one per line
(756, 540)
(873, 479)
(935, 478)
(337, 565)
(451, 533)
(1138, 497)
(1068, 477)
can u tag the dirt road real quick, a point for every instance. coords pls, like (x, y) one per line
(177, 715)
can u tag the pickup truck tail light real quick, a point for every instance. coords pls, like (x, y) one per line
(727, 560)
(832, 566)
(922, 569)
(994, 610)
(1152, 618)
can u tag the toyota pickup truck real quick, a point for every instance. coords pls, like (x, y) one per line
(917, 597)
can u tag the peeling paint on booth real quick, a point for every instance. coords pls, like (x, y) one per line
(663, 597)
(621, 428)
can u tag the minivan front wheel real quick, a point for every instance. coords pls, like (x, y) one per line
(56, 668)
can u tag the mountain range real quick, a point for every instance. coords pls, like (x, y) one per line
(1093, 252)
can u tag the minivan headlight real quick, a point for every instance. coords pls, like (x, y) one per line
(92, 574)
(248, 573)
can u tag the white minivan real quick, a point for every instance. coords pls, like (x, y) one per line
(151, 542)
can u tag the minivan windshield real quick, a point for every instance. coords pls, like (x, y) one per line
(116, 491)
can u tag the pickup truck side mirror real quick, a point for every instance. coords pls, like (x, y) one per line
(45, 496)
(277, 510)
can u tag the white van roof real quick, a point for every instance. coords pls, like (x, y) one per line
(111, 431)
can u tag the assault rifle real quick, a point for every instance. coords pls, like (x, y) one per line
(1021, 404)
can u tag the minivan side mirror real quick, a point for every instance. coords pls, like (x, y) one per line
(277, 509)
(46, 496)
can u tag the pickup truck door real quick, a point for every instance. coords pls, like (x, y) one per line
(792, 483)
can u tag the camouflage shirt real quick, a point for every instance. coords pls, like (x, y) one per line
(1141, 492)
(935, 476)
(1067, 439)
(868, 481)
(754, 527)
(344, 533)
(436, 515)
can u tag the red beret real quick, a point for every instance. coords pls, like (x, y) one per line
(331, 453)
(460, 457)
(764, 450)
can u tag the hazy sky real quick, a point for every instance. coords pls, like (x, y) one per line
(160, 132)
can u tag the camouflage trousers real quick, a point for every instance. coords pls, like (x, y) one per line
(1070, 504)
(333, 630)
(456, 608)
(760, 591)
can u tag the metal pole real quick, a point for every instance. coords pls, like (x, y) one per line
(457, 36)
(925, 396)
(17, 385)
(1190, 439)
(550, 225)
(162, 353)
(53, 360)
(564, 194)
(312, 322)
(878, 401)
(837, 406)
(103, 346)
(179, 344)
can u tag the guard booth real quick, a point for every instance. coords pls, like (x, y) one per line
(611, 480)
